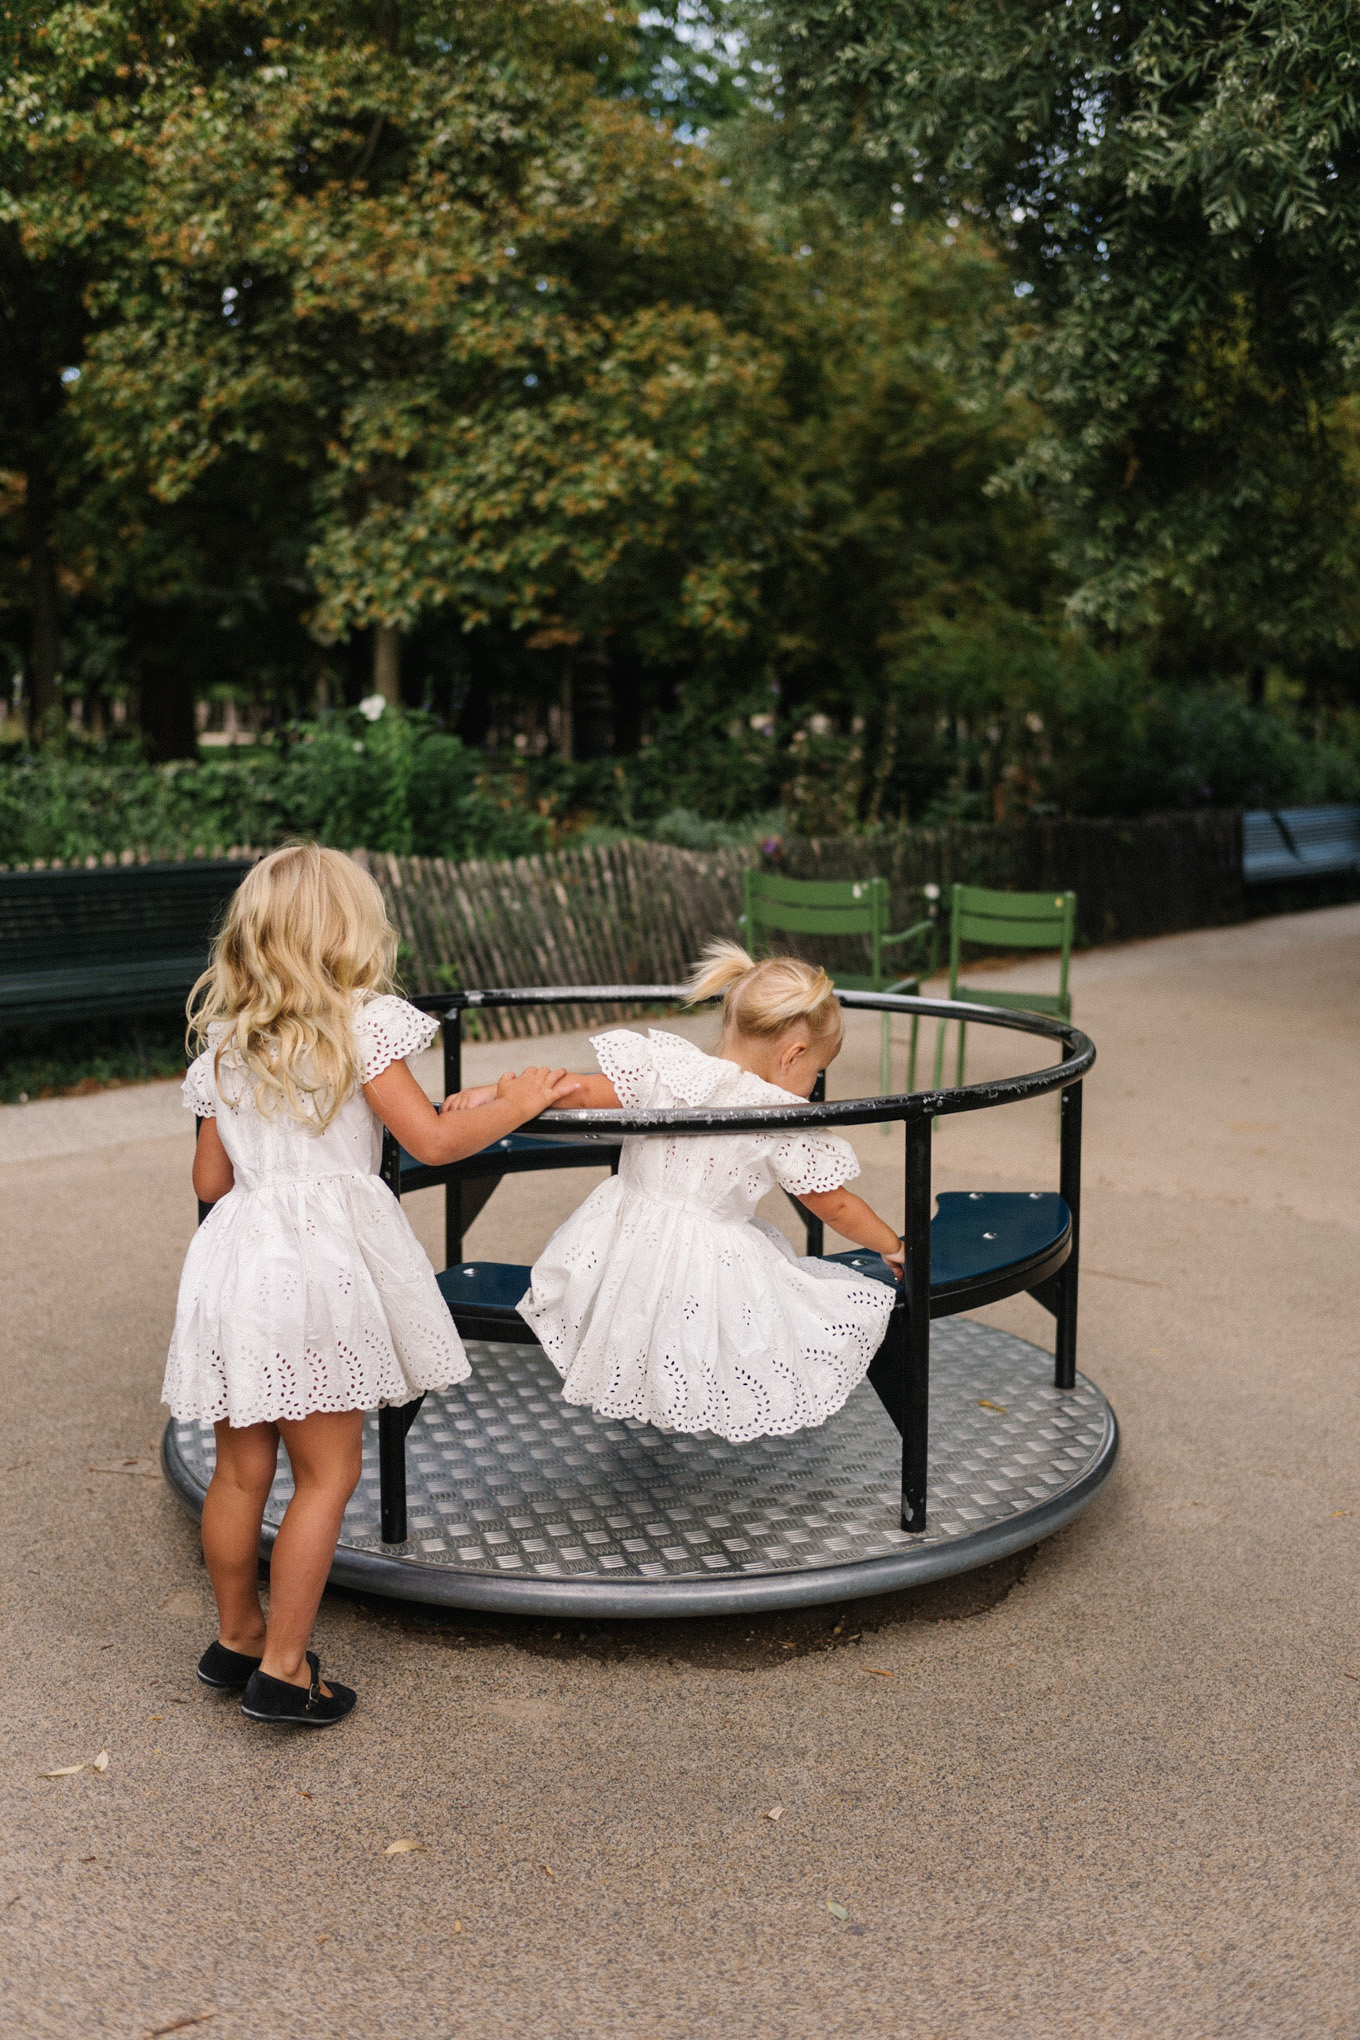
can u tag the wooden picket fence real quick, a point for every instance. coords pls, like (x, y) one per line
(631, 913)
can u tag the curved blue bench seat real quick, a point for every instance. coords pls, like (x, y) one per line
(482, 1296)
(984, 1244)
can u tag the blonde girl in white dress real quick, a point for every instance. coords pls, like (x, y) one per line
(664, 1298)
(305, 1298)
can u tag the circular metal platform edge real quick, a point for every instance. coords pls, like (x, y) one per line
(445, 1587)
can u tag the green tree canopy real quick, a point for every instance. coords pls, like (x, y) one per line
(1178, 194)
(516, 339)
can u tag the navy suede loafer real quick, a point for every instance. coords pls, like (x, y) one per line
(228, 1670)
(277, 1700)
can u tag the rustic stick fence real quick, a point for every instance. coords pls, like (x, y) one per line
(639, 913)
(631, 913)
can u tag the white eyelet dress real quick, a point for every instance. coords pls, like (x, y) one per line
(664, 1298)
(305, 1288)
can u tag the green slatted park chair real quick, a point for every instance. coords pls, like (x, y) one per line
(1007, 920)
(840, 907)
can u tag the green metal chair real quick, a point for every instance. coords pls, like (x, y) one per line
(1007, 920)
(798, 906)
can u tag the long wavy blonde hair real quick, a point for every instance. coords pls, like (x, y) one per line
(305, 934)
(765, 998)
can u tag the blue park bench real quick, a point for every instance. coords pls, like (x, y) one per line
(1299, 842)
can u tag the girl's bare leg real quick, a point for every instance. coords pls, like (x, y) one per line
(232, 1514)
(325, 1450)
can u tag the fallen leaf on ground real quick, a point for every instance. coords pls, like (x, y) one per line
(548, 1871)
(1000, 1408)
(180, 2025)
(101, 1763)
(837, 1912)
(405, 1847)
(65, 1771)
(774, 1813)
(458, 1926)
(873, 1672)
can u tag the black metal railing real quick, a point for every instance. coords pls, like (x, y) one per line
(901, 1371)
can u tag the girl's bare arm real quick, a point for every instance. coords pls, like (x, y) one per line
(593, 1094)
(467, 1101)
(437, 1137)
(213, 1173)
(855, 1220)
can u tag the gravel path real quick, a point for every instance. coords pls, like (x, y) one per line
(1109, 1789)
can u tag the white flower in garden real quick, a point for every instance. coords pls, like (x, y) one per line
(372, 706)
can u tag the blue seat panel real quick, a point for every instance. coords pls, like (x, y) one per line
(487, 1285)
(975, 1238)
(980, 1232)
(976, 1233)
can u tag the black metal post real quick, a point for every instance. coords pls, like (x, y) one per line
(1069, 1185)
(916, 1396)
(813, 1227)
(392, 1474)
(453, 1191)
(392, 1422)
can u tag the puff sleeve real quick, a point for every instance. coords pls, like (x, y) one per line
(688, 1075)
(388, 1031)
(814, 1162)
(199, 1091)
(627, 1060)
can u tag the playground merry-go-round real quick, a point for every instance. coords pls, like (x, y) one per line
(963, 1444)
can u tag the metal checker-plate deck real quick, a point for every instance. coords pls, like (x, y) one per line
(518, 1500)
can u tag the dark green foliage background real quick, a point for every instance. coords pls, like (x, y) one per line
(858, 413)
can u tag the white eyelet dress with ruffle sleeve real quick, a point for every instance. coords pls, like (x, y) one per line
(305, 1288)
(665, 1298)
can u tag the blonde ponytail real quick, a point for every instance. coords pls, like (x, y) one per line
(721, 966)
(763, 999)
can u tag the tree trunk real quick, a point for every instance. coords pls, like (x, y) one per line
(592, 707)
(167, 714)
(387, 663)
(165, 636)
(45, 643)
(625, 688)
(566, 741)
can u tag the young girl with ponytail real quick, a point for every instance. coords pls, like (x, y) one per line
(664, 1298)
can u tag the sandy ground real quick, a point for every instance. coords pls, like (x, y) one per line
(1109, 1790)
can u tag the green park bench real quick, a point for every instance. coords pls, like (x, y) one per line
(123, 938)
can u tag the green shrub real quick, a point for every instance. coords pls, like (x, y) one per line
(1073, 733)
